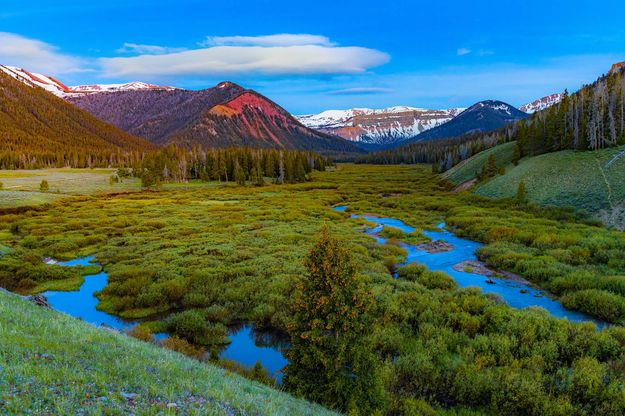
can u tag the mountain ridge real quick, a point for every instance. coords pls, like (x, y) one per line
(222, 116)
(378, 127)
(484, 116)
(56, 87)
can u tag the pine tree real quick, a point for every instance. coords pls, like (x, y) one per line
(330, 360)
(239, 174)
(521, 193)
(516, 156)
(44, 186)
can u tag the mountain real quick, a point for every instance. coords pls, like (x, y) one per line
(59, 89)
(542, 103)
(130, 86)
(481, 117)
(378, 128)
(222, 116)
(37, 128)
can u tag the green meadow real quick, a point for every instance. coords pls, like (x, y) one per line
(203, 256)
(584, 180)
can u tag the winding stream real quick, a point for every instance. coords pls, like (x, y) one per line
(516, 294)
(246, 348)
(249, 346)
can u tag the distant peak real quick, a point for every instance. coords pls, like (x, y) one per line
(542, 103)
(229, 84)
(494, 104)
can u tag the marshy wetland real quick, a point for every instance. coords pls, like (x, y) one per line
(195, 260)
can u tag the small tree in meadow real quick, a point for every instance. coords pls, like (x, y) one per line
(521, 193)
(330, 359)
(44, 186)
(1, 186)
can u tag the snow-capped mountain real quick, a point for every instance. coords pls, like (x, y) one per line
(542, 103)
(56, 87)
(378, 127)
(481, 117)
(34, 79)
(131, 86)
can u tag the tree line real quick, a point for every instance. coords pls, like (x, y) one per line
(239, 165)
(593, 118)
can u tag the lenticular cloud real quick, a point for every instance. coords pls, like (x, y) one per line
(272, 55)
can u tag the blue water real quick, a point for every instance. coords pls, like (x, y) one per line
(510, 291)
(246, 350)
(82, 304)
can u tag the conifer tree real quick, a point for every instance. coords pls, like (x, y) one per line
(330, 360)
(44, 186)
(521, 193)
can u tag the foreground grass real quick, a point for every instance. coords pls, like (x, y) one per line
(53, 364)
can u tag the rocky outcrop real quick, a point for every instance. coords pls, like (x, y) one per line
(617, 66)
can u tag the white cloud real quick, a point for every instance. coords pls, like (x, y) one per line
(239, 60)
(135, 48)
(35, 55)
(282, 39)
(463, 51)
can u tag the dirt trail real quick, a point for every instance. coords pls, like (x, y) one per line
(607, 183)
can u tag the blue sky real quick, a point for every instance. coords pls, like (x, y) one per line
(311, 56)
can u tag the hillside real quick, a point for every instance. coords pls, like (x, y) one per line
(223, 116)
(468, 169)
(73, 366)
(37, 128)
(482, 117)
(592, 180)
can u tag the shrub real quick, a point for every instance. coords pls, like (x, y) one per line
(182, 346)
(411, 272)
(141, 334)
(190, 325)
(432, 280)
(600, 303)
(437, 280)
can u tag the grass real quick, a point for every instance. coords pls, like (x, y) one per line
(21, 187)
(468, 169)
(54, 364)
(567, 178)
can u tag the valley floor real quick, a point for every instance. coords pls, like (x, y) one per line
(217, 254)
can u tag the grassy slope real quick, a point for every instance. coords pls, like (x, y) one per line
(468, 169)
(579, 179)
(54, 364)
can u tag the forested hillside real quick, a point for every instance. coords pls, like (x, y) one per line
(38, 130)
